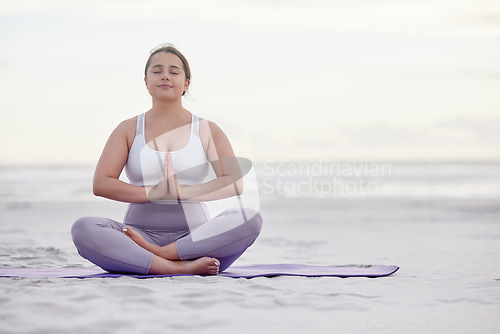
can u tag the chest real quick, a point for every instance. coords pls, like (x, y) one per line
(167, 139)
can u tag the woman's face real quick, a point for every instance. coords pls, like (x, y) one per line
(166, 79)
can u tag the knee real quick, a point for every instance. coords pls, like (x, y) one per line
(81, 229)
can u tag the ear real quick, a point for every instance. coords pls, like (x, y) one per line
(146, 82)
(186, 85)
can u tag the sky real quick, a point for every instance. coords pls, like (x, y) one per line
(311, 80)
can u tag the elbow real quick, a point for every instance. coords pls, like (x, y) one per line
(96, 192)
(97, 188)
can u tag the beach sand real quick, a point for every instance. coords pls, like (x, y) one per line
(448, 251)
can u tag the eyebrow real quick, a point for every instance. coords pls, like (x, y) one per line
(159, 65)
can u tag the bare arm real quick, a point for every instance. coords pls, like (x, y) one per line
(114, 156)
(229, 181)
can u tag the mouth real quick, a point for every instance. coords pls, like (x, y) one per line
(165, 86)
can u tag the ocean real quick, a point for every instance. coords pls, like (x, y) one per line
(319, 179)
(438, 221)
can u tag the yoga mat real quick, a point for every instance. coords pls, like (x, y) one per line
(265, 270)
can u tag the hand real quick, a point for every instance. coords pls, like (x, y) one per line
(160, 191)
(134, 235)
(138, 239)
(175, 190)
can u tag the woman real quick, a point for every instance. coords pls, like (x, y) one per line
(166, 153)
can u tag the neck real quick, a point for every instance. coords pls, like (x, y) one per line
(170, 109)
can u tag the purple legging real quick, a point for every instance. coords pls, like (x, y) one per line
(225, 236)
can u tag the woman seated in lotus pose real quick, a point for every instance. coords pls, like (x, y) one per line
(167, 152)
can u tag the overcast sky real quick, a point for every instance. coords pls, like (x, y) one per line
(286, 80)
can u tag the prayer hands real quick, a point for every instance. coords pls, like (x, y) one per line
(168, 187)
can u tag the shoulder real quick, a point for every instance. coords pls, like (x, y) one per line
(128, 124)
(126, 130)
(211, 135)
(210, 128)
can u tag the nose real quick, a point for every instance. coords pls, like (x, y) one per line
(165, 76)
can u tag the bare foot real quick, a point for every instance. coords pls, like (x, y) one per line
(135, 236)
(202, 266)
(168, 252)
(162, 266)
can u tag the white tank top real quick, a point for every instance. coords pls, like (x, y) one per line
(144, 165)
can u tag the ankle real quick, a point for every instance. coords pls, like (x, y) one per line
(169, 252)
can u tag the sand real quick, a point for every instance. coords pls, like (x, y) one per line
(449, 282)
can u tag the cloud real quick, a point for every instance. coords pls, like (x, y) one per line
(371, 64)
(416, 17)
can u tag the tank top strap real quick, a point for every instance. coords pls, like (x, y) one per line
(196, 125)
(140, 125)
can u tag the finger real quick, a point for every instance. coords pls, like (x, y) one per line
(172, 185)
(166, 166)
(164, 172)
(170, 163)
(172, 181)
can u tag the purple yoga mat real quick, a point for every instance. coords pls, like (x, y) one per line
(265, 270)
